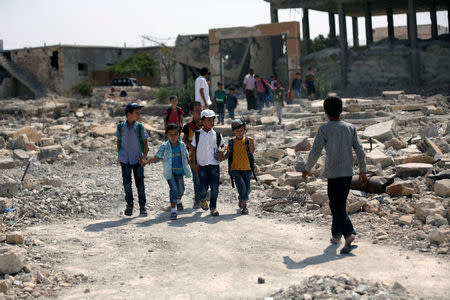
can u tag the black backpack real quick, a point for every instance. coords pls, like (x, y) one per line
(251, 159)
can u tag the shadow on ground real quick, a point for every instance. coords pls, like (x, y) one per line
(329, 254)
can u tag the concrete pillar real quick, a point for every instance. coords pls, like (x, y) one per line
(390, 19)
(1, 45)
(433, 16)
(273, 14)
(343, 44)
(306, 37)
(332, 24)
(448, 16)
(355, 32)
(407, 28)
(413, 41)
(368, 13)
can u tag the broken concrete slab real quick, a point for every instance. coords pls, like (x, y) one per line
(50, 152)
(403, 188)
(31, 132)
(377, 157)
(7, 163)
(20, 154)
(391, 95)
(8, 186)
(426, 207)
(382, 131)
(412, 169)
(442, 187)
(420, 158)
(267, 179)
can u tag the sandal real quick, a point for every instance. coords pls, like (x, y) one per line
(214, 213)
(129, 210)
(348, 249)
(244, 211)
(204, 205)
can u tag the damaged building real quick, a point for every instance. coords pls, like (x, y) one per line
(389, 63)
(36, 72)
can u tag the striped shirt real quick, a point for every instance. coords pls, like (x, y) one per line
(338, 138)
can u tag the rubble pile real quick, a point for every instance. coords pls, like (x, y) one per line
(58, 161)
(341, 287)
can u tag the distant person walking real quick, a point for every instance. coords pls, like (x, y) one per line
(297, 85)
(202, 89)
(249, 88)
(310, 84)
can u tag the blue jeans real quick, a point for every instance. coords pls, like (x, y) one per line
(297, 93)
(221, 112)
(260, 98)
(176, 185)
(196, 182)
(209, 178)
(242, 181)
(138, 173)
(231, 112)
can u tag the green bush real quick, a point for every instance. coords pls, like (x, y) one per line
(323, 87)
(185, 94)
(140, 65)
(83, 89)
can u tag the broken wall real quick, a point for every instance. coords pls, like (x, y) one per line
(382, 66)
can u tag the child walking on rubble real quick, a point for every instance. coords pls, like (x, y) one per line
(338, 138)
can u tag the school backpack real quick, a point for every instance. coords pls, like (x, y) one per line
(169, 110)
(251, 159)
(197, 137)
(140, 127)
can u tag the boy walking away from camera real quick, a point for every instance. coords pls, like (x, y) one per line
(232, 102)
(208, 144)
(174, 114)
(310, 84)
(338, 138)
(202, 89)
(241, 162)
(220, 97)
(195, 109)
(279, 96)
(132, 147)
(174, 155)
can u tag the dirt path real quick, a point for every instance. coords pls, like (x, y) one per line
(198, 257)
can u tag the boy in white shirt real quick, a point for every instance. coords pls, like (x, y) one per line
(207, 145)
(202, 89)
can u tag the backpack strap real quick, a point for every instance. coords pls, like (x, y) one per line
(230, 159)
(169, 111)
(251, 159)
(197, 137)
(140, 127)
(179, 114)
(119, 133)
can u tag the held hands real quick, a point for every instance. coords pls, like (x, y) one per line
(142, 162)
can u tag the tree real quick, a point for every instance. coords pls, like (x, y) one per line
(167, 61)
(143, 65)
(320, 42)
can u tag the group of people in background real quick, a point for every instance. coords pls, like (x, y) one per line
(201, 150)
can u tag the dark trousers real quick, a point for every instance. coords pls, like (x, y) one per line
(221, 112)
(338, 189)
(138, 173)
(251, 100)
(209, 178)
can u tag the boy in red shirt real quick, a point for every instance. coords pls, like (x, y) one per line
(174, 114)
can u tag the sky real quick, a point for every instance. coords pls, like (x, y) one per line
(33, 23)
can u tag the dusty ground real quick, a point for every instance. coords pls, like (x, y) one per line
(201, 257)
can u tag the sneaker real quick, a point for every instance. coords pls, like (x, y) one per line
(180, 206)
(128, 210)
(196, 206)
(214, 213)
(204, 205)
(143, 211)
(173, 216)
(244, 211)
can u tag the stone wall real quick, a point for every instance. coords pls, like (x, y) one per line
(382, 66)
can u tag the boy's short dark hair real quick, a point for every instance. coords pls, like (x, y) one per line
(256, 76)
(219, 83)
(172, 97)
(309, 68)
(172, 126)
(204, 71)
(231, 88)
(192, 105)
(298, 73)
(333, 106)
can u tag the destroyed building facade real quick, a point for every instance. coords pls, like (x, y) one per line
(34, 72)
(390, 63)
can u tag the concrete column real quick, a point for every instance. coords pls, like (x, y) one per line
(390, 19)
(343, 44)
(355, 32)
(448, 16)
(332, 23)
(407, 28)
(306, 38)
(369, 34)
(433, 16)
(413, 41)
(273, 14)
